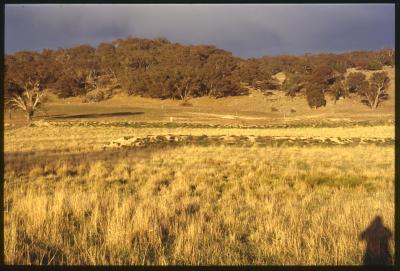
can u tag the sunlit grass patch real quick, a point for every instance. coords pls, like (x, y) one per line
(201, 205)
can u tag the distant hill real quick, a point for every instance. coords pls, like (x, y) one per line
(161, 69)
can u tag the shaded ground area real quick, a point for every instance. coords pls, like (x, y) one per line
(99, 115)
(24, 161)
(377, 237)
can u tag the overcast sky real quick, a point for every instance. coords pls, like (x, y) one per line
(245, 30)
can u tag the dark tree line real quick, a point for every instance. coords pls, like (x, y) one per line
(152, 68)
(161, 69)
(314, 76)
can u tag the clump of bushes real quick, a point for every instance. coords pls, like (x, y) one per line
(186, 103)
(97, 95)
(374, 65)
(315, 96)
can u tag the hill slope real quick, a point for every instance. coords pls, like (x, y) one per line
(253, 109)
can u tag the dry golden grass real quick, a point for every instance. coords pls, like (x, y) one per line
(69, 201)
(195, 205)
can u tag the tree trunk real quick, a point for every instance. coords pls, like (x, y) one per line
(375, 105)
(370, 100)
(29, 116)
(376, 100)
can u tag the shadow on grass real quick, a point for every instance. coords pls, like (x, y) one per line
(377, 237)
(94, 115)
(23, 162)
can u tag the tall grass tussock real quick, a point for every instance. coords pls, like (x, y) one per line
(199, 205)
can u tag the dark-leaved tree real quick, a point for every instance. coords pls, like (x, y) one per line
(315, 95)
(356, 82)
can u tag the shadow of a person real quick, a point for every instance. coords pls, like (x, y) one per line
(377, 237)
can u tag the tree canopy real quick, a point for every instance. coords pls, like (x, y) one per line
(159, 68)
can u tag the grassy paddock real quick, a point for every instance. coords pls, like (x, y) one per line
(192, 204)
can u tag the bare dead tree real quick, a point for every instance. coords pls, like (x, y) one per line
(28, 101)
(376, 92)
(184, 87)
(185, 92)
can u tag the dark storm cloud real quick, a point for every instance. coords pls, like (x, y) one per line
(245, 30)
